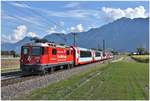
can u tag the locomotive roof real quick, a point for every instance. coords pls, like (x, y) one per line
(86, 49)
(46, 45)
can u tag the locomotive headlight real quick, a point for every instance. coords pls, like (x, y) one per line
(21, 60)
(38, 61)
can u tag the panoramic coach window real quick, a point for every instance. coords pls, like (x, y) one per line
(68, 52)
(85, 54)
(54, 51)
(36, 51)
(98, 54)
(25, 50)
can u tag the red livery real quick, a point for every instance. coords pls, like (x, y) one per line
(40, 57)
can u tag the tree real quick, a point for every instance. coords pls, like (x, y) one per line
(12, 52)
(140, 50)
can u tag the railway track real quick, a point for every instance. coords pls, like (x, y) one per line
(12, 78)
(10, 75)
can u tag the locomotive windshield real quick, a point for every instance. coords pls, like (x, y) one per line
(36, 51)
(25, 50)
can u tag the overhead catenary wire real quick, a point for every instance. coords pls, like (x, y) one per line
(38, 27)
(8, 25)
(46, 19)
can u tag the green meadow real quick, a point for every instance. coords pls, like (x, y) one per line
(117, 80)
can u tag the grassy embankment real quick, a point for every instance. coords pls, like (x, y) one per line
(11, 64)
(118, 80)
(141, 58)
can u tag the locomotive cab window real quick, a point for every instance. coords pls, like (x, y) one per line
(54, 52)
(25, 50)
(68, 52)
(36, 51)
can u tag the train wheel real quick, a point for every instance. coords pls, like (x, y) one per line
(68, 66)
(71, 65)
(52, 69)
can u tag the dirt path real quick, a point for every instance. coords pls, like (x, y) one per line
(128, 59)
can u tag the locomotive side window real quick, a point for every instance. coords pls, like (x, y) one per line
(68, 52)
(25, 50)
(36, 51)
(85, 54)
(54, 52)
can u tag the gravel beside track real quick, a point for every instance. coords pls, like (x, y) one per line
(14, 80)
(11, 91)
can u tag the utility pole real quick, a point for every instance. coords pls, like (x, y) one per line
(74, 37)
(98, 46)
(103, 47)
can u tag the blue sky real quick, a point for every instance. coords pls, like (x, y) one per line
(20, 19)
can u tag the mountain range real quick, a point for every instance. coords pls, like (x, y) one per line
(123, 34)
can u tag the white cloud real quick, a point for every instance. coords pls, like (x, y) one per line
(54, 29)
(32, 34)
(19, 33)
(116, 13)
(78, 13)
(72, 5)
(92, 26)
(22, 5)
(77, 28)
(75, 13)
(51, 30)
(63, 31)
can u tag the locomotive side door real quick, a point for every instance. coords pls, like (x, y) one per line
(53, 57)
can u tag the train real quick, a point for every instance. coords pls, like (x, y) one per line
(41, 57)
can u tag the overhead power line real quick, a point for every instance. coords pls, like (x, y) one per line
(46, 19)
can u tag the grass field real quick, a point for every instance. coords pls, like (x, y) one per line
(141, 58)
(118, 80)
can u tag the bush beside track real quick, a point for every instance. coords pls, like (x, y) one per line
(141, 58)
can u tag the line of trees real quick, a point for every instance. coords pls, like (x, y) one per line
(142, 51)
(12, 53)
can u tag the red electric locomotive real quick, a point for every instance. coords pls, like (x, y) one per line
(39, 57)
